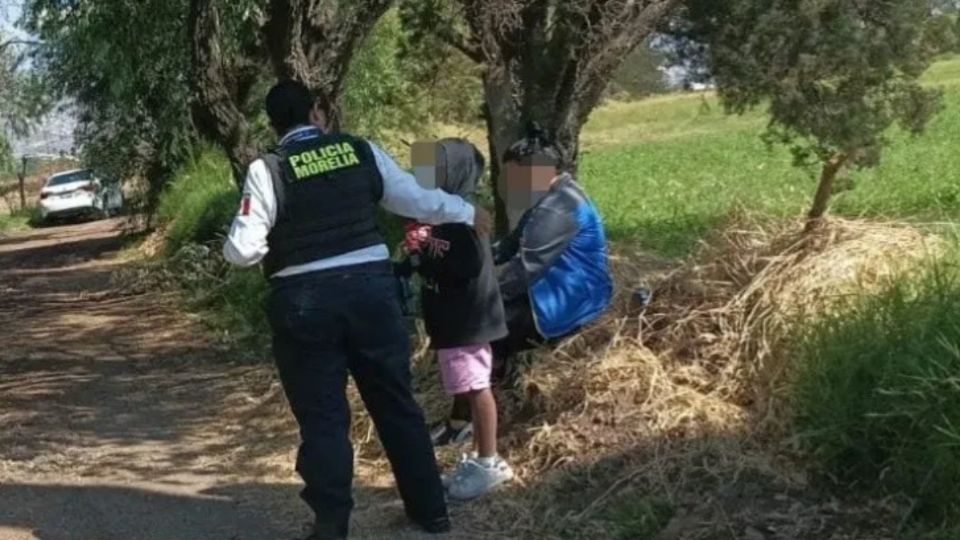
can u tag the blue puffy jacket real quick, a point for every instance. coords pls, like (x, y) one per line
(558, 256)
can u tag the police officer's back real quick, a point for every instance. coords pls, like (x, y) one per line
(308, 214)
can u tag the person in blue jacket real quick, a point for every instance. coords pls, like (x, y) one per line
(553, 267)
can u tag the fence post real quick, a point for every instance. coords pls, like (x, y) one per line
(22, 178)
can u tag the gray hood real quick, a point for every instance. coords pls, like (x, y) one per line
(458, 171)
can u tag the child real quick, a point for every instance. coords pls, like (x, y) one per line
(463, 313)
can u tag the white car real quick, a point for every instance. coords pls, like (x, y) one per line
(79, 193)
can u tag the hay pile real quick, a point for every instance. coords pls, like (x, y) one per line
(659, 402)
(727, 313)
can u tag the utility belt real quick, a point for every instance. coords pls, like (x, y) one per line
(406, 293)
(374, 267)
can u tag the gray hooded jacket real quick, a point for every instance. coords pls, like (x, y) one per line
(460, 298)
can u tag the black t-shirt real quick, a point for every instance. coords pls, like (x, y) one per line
(460, 297)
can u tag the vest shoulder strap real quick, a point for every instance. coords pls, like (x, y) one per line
(272, 160)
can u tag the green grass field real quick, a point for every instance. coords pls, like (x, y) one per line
(18, 220)
(664, 170)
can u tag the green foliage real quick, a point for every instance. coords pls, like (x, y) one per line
(940, 35)
(835, 74)
(379, 96)
(401, 81)
(125, 65)
(200, 202)
(230, 300)
(944, 6)
(956, 32)
(22, 96)
(449, 82)
(7, 161)
(194, 212)
(640, 74)
(878, 394)
(19, 220)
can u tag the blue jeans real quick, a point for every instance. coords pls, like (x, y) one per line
(325, 325)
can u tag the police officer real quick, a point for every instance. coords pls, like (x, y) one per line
(309, 214)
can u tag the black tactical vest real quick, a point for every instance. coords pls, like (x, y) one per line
(328, 191)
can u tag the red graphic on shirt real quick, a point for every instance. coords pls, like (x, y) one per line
(436, 247)
(245, 206)
(415, 235)
(419, 238)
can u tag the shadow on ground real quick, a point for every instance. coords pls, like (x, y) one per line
(247, 511)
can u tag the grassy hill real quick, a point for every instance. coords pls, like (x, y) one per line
(663, 170)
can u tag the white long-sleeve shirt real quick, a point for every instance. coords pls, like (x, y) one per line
(246, 244)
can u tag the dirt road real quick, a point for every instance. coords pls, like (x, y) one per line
(121, 420)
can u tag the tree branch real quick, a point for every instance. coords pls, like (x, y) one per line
(333, 33)
(313, 41)
(625, 31)
(11, 42)
(281, 33)
(461, 43)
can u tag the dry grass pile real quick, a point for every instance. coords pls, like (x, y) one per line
(725, 315)
(669, 402)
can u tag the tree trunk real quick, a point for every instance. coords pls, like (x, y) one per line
(503, 129)
(549, 62)
(506, 120)
(821, 200)
(222, 84)
(568, 139)
(313, 41)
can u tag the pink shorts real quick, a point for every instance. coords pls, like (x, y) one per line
(465, 369)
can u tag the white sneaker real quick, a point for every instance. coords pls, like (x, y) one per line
(472, 479)
(447, 478)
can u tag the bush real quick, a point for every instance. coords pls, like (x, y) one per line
(230, 299)
(195, 211)
(878, 392)
(940, 35)
(20, 219)
(199, 204)
(379, 97)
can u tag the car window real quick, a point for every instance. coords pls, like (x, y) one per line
(78, 176)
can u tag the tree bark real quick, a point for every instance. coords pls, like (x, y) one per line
(549, 62)
(821, 200)
(503, 128)
(221, 84)
(313, 41)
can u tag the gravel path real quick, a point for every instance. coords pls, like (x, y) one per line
(121, 420)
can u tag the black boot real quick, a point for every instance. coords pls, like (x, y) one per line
(437, 525)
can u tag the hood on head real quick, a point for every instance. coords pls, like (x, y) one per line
(458, 169)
